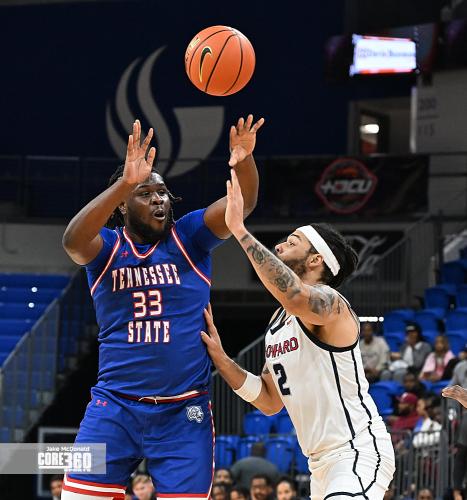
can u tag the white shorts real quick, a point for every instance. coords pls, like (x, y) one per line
(363, 468)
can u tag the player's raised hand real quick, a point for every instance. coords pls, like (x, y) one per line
(137, 166)
(243, 139)
(456, 392)
(211, 338)
(234, 209)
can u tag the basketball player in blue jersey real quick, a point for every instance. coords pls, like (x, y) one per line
(150, 280)
(313, 362)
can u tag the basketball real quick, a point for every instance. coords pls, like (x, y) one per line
(219, 60)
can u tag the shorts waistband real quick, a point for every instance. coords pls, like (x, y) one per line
(161, 399)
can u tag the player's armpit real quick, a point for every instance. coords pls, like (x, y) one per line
(268, 401)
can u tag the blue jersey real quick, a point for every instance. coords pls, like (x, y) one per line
(149, 302)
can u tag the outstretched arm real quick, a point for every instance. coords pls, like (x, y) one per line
(268, 401)
(456, 392)
(317, 304)
(81, 239)
(242, 145)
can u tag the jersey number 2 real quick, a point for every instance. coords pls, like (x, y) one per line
(280, 372)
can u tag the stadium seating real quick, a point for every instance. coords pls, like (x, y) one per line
(383, 394)
(394, 321)
(301, 462)
(437, 387)
(283, 423)
(437, 297)
(244, 446)
(225, 450)
(453, 272)
(457, 340)
(428, 320)
(456, 320)
(461, 296)
(257, 423)
(395, 340)
(280, 451)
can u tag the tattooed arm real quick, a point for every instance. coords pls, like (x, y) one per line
(318, 304)
(315, 304)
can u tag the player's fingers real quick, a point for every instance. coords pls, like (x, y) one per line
(208, 317)
(229, 190)
(249, 121)
(151, 156)
(257, 125)
(240, 123)
(210, 310)
(135, 132)
(233, 158)
(138, 131)
(235, 183)
(233, 132)
(129, 149)
(148, 139)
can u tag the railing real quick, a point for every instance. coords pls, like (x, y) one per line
(28, 377)
(27, 380)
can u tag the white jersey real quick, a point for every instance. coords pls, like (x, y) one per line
(323, 388)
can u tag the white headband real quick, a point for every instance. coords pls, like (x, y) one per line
(322, 248)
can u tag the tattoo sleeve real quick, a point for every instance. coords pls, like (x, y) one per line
(272, 271)
(284, 284)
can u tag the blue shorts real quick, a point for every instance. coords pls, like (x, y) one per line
(177, 439)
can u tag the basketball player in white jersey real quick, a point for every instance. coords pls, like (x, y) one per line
(313, 362)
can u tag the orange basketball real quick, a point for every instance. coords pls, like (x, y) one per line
(219, 60)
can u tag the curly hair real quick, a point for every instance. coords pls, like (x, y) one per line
(116, 219)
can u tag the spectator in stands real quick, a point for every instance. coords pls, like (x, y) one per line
(412, 354)
(55, 485)
(407, 414)
(413, 385)
(220, 491)
(244, 469)
(425, 494)
(261, 487)
(286, 489)
(460, 458)
(437, 361)
(426, 430)
(239, 493)
(375, 352)
(142, 487)
(223, 476)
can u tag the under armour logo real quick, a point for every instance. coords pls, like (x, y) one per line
(195, 413)
(124, 254)
(100, 402)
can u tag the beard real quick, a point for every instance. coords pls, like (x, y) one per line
(297, 265)
(147, 233)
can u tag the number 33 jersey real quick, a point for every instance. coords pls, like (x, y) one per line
(149, 302)
(323, 388)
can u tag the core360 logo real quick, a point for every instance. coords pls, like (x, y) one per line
(179, 151)
(346, 185)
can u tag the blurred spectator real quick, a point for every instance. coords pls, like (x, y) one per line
(220, 491)
(244, 469)
(413, 385)
(239, 493)
(261, 487)
(436, 361)
(375, 352)
(223, 476)
(407, 414)
(286, 489)
(425, 494)
(412, 354)
(460, 458)
(55, 485)
(142, 487)
(426, 430)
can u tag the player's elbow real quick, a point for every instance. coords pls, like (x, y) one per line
(272, 409)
